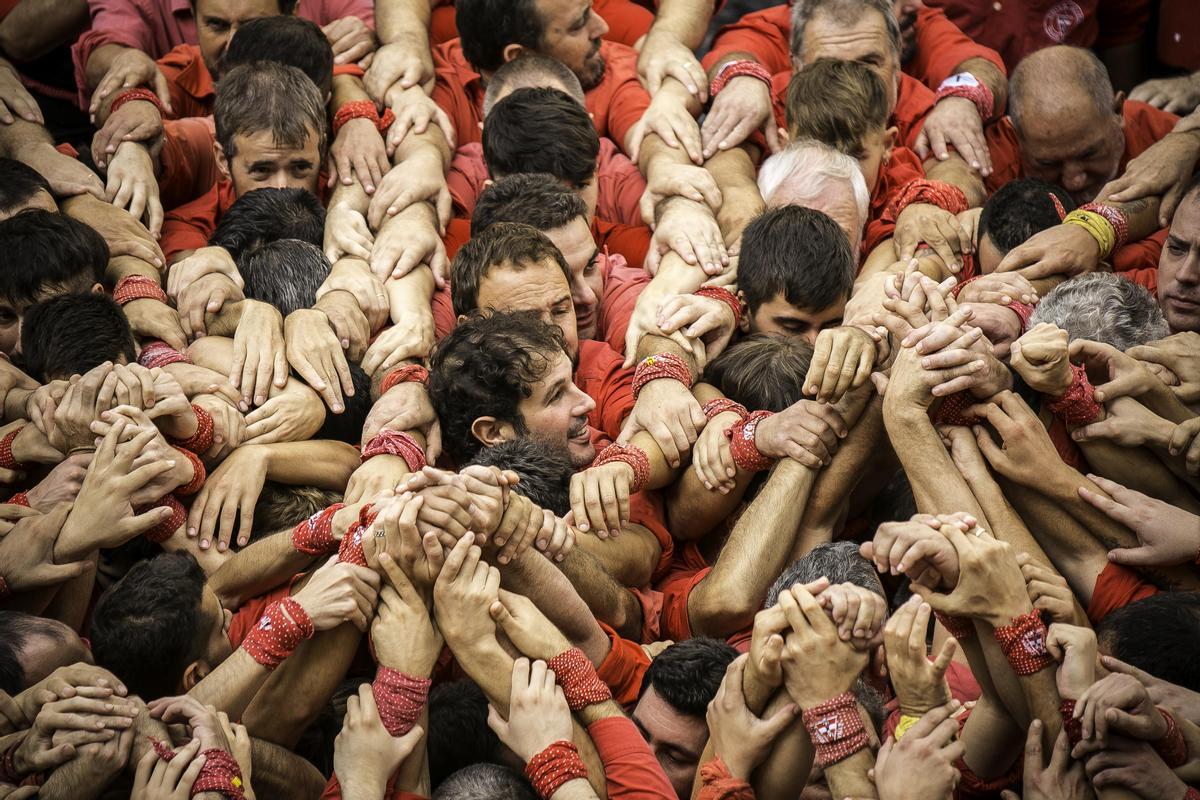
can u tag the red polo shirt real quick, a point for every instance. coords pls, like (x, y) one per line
(903, 168)
(616, 103)
(619, 183)
(190, 226)
(1144, 125)
(1016, 28)
(766, 34)
(627, 21)
(1179, 34)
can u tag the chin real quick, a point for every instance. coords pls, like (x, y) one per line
(582, 455)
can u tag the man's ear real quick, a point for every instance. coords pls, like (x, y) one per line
(98, 288)
(1119, 106)
(491, 431)
(513, 51)
(744, 325)
(889, 142)
(222, 161)
(193, 673)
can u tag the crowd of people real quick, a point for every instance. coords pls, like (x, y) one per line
(660, 401)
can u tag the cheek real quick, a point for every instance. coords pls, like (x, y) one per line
(9, 334)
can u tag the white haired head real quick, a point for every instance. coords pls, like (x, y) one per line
(811, 174)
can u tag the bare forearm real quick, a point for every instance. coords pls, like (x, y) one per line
(232, 685)
(100, 61)
(402, 18)
(551, 591)
(629, 558)
(686, 20)
(936, 484)
(734, 173)
(986, 73)
(323, 463)
(35, 27)
(958, 173)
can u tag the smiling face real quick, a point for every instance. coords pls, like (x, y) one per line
(541, 288)
(1179, 268)
(556, 412)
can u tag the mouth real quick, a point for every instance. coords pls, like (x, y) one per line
(579, 433)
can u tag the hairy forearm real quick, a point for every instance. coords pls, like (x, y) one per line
(403, 18)
(278, 772)
(232, 685)
(324, 463)
(100, 61)
(607, 600)
(35, 27)
(686, 20)
(785, 772)
(734, 172)
(936, 484)
(551, 591)
(629, 558)
(1139, 469)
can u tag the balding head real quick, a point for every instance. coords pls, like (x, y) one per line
(1068, 119)
(531, 71)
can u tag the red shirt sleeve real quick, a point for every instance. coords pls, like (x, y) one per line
(764, 34)
(1140, 255)
(630, 768)
(620, 100)
(630, 241)
(941, 47)
(619, 186)
(245, 617)
(903, 168)
(646, 509)
(466, 178)
(603, 376)
(914, 101)
(443, 313)
(627, 22)
(622, 286)
(190, 226)
(623, 668)
(1116, 587)
(324, 12)
(1005, 151)
(451, 93)
(189, 168)
(188, 81)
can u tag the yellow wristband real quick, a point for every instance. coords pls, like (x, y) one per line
(1095, 224)
(906, 722)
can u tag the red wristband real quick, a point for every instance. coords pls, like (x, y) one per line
(961, 629)
(314, 536)
(578, 679)
(720, 405)
(362, 109)
(1024, 644)
(160, 354)
(836, 729)
(1172, 747)
(351, 549)
(1115, 218)
(737, 69)
(952, 410)
(629, 454)
(221, 773)
(971, 88)
(1073, 727)
(1077, 405)
(165, 529)
(202, 440)
(742, 447)
(7, 461)
(396, 443)
(138, 287)
(137, 93)
(282, 627)
(409, 373)
(725, 296)
(401, 698)
(664, 365)
(18, 499)
(943, 195)
(554, 766)
(198, 473)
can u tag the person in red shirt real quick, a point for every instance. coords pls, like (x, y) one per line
(270, 128)
(1017, 28)
(1179, 266)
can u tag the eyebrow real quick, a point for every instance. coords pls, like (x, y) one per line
(579, 23)
(553, 391)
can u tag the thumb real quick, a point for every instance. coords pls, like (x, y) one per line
(780, 721)
(496, 722)
(1117, 665)
(1133, 556)
(1170, 202)
(501, 615)
(880, 382)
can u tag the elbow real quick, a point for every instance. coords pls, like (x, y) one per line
(718, 613)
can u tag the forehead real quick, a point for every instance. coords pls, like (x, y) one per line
(559, 371)
(828, 35)
(1185, 225)
(561, 13)
(261, 146)
(237, 9)
(778, 307)
(1064, 128)
(535, 288)
(573, 238)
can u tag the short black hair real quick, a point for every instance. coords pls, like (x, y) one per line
(285, 273)
(838, 561)
(458, 731)
(486, 366)
(267, 215)
(19, 182)
(1159, 634)
(536, 199)
(348, 426)
(1018, 210)
(506, 244)
(70, 334)
(688, 674)
(44, 251)
(16, 627)
(145, 626)
(763, 372)
(486, 27)
(545, 470)
(798, 252)
(285, 39)
(541, 130)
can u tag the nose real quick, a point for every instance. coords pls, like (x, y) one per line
(279, 180)
(599, 26)
(810, 336)
(584, 405)
(583, 296)
(1074, 178)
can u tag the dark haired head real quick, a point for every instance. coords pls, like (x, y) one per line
(281, 507)
(1159, 634)
(267, 215)
(688, 674)
(347, 426)
(502, 244)
(71, 334)
(535, 199)
(44, 253)
(763, 372)
(147, 628)
(285, 273)
(840, 562)
(1017, 211)
(22, 187)
(486, 366)
(486, 27)
(541, 130)
(531, 70)
(286, 39)
(545, 471)
(32, 647)
(458, 731)
(798, 253)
